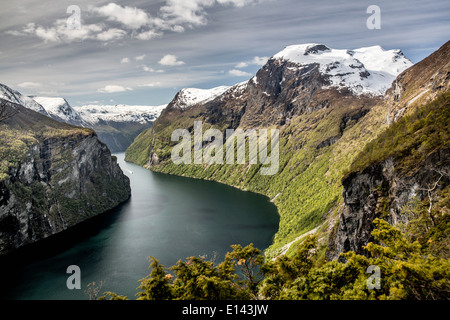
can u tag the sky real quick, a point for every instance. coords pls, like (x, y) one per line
(143, 52)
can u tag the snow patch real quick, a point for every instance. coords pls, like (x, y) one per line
(94, 114)
(59, 108)
(190, 96)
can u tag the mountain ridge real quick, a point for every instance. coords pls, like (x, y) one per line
(116, 125)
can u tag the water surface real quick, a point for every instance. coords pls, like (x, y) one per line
(167, 217)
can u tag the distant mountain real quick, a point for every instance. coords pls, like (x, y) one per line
(60, 110)
(110, 114)
(16, 97)
(116, 125)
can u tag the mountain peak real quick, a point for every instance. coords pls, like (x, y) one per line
(191, 96)
(59, 109)
(367, 70)
(16, 97)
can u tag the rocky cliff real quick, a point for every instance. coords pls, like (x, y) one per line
(53, 176)
(382, 191)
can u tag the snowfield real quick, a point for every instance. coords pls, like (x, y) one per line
(94, 114)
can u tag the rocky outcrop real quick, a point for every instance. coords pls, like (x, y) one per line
(61, 181)
(382, 191)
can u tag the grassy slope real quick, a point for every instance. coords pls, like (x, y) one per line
(412, 138)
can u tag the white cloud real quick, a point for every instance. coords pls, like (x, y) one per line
(114, 89)
(148, 69)
(150, 85)
(238, 3)
(132, 18)
(193, 12)
(148, 35)
(125, 60)
(111, 34)
(47, 34)
(239, 73)
(259, 61)
(60, 32)
(174, 15)
(170, 60)
(140, 58)
(29, 27)
(29, 85)
(242, 65)
(14, 33)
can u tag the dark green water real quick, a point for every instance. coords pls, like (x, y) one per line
(168, 217)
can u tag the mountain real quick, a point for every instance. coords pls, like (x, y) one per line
(118, 125)
(52, 176)
(191, 96)
(328, 105)
(97, 114)
(60, 110)
(16, 97)
(369, 70)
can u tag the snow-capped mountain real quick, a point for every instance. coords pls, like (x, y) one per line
(96, 114)
(116, 125)
(297, 80)
(16, 97)
(59, 109)
(369, 70)
(190, 96)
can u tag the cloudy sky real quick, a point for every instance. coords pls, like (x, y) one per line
(143, 52)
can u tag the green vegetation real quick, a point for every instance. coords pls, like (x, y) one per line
(413, 264)
(411, 138)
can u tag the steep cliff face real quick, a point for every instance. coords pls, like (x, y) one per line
(383, 191)
(53, 176)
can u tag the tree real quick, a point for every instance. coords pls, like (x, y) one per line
(157, 285)
(250, 261)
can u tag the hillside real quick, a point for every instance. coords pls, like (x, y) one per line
(325, 117)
